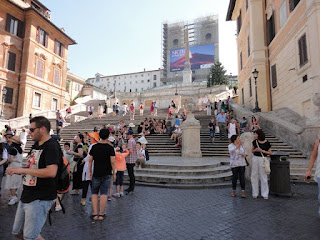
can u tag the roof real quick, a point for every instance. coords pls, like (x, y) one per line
(117, 75)
(42, 16)
(232, 4)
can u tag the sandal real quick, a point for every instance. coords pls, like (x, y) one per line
(94, 217)
(233, 194)
(101, 217)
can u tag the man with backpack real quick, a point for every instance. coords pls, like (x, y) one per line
(39, 181)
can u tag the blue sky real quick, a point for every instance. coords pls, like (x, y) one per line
(116, 37)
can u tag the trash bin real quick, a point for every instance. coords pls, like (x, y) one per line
(280, 174)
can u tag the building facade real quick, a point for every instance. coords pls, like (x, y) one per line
(33, 59)
(128, 82)
(203, 36)
(74, 86)
(281, 39)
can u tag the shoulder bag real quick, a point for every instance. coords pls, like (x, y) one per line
(266, 161)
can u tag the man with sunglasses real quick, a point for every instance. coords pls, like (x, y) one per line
(39, 181)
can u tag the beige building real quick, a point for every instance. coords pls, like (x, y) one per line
(33, 59)
(74, 86)
(281, 39)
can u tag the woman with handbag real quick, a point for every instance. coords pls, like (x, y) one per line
(261, 148)
(238, 164)
(78, 158)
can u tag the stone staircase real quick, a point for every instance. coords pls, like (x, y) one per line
(167, 168)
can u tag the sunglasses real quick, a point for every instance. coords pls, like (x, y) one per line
(32, 129)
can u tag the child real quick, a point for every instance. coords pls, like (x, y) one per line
(141, 155)
(121, 167)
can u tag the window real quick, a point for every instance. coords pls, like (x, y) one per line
(293, 4)
(154, 84)
(9, 95)
(42, 37)
(250, 87)
(246, 5)
(248, 42)
(175, 42)
(154, 77)
(57, 76)
(241, 61)
(274, 76)
(58, 48)
(14, 26)
(36, 99)
(271, 32)
(148, 80)
(141, 75)
(283, 13)
(242, 96)
(136, 89)
(305, 78)
(142, 81)
(208, 36)
(11, 61)
(40, 68)
(54, 104)
(303, 55)
(239, 23)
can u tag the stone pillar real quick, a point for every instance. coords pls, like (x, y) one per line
(191, 133)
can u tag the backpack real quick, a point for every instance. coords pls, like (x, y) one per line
(63, 175)
(146, 152)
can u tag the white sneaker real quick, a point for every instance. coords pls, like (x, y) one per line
(58, 208)
(13, 200)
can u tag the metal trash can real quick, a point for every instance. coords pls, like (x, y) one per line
(280, 174)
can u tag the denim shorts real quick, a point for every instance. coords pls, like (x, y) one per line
(30, 218)
(101, 184)
(119, 180)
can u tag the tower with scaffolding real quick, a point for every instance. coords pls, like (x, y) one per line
(204, 48)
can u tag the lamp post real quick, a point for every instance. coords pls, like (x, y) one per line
(210, 80)
(4, 93)
(176, 74)
(255, 74)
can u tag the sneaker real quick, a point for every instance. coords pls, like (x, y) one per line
(116, 195)
(58, 208)
(83, 202)
(109, 198)
(121, 194)
(13, 200)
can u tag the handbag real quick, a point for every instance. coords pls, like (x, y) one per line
(266, 161)
(217, 130)
(247, 162)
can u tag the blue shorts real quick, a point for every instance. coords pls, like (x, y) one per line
(101, 184)
(30, 218)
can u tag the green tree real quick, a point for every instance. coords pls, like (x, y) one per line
(217, 75)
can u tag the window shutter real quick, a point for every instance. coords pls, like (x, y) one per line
(274, 76)
(304, 47)
(46, 39)
(55, 47)
(11, 61)
(9, 95)
(8, 21)
(21, 29)
(62, 51)
(38, 35)
(291, 5)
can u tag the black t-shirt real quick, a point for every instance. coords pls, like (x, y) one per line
(36, 188)
(212, 125)
(139, 129)
(101, 153)
(265, 146)
(79, 146)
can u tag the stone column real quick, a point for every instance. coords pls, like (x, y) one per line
(191, 133)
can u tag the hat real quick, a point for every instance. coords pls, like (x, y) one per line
(111, 139)
(16, 139)
(130, 132)
(9, 133)
(95, 136)
(108, 125)
(131, 125)
(143, 140)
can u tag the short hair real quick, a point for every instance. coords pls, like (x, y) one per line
(233, 138)
(66, 144)
(138, 143)
(104, 133)
(41, 121)
(261, 135)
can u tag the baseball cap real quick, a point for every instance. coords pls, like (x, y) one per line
(130, 132)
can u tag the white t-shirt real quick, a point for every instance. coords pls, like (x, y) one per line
(124, 107)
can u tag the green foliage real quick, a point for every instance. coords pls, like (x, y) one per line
(217, 75)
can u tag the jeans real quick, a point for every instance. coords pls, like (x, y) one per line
(101, 184)
(212, 133)
(30, 218)
(130, 167)
(238, 172)
(319, 196)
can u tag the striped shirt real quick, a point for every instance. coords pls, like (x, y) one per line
(132, 157)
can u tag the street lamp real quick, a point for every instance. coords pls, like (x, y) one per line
(210, 79)
(176, 74)
(255, 74)
(4, 93)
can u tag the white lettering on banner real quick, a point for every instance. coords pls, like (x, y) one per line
(178, 53)
(33, 162)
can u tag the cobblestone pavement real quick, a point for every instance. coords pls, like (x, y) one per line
(203, 214)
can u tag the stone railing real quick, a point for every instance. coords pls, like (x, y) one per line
(20, 122)
(299, 137)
